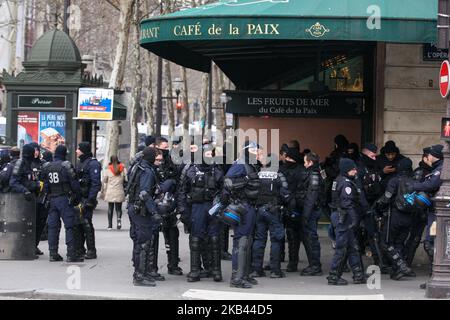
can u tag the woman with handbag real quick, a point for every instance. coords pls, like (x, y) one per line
(114, 181)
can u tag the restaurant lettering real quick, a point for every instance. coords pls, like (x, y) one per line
(150, 33)
(291, 104)
(197, 29)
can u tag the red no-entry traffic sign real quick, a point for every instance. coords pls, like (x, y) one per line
(444, 79)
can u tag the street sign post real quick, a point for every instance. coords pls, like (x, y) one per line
(444, 86)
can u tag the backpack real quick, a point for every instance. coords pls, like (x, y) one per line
(402, 199)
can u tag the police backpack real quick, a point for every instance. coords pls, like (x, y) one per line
(402, 202)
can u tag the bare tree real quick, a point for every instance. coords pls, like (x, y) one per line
(137, 83)
(219, 87)
(185, 100)
(204, 102)
(169, 102)
(117, 76)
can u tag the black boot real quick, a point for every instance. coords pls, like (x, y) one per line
(195, 246)
(358, 276)
(293, 248)
(171, 237)
(224, 239)
(72, 257)
(155, 241)
(238, 278)
(312, 271)
(89, 231)
(206, 256)
(400, 269)
(334, 279)
(216, 264)
(140, 278)
(55, 256)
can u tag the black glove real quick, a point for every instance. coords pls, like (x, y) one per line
(28, 196)
(89, 204)
(224, 199)
(185, 218)
(157, 218)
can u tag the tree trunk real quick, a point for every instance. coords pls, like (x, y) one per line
(185, 101)
(137, 86)
(112, 128)
(204, 103)
(169, 101)
(219, 111)
(149, 103)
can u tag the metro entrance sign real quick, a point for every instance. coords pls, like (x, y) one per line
(444, 86)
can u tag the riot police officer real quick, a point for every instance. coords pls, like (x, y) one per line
(419, 219)
(294, 171)
(313, 202)
(63, 191)
(273, 194)
(22, 178)
(431, 186)
(200, 183)
(168, 174)
(345, 220)
(398, 222)
(241, 187)
(41, 211)
(369, 177)
(144, 217)
(89, 175)
(7, 169)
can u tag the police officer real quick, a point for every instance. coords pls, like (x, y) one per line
(63, 190)
(294, 171)
(369, 178)
(431, 186)
(387, 162)
(7, 169)
(41, 210)
(313, 202)
(420, 218)
(345, 219)
(144, 217)
(168, 174)
(398, 222)
(22, 178)
(273, 193)
(200, 183)
(241, 187)
(89, 175)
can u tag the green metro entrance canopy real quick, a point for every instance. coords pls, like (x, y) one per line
(180, 36)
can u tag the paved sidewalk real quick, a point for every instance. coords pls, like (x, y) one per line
(110, 276)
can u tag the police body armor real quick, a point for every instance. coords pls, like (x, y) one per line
(317, 183)
(135, 196)
(54, 172)
(85, 182)
(203, 186)
(372, 185)
(301, 189)
(269, 189)
(335, 199)
(252, 187)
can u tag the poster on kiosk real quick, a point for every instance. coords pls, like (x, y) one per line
(95, 104)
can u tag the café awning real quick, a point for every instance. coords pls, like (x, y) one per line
(231, 28)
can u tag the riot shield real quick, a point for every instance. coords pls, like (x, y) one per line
(17, 227)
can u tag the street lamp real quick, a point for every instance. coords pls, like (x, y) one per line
(439, 284)
(177, 86)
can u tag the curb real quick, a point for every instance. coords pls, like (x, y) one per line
(49, 294)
